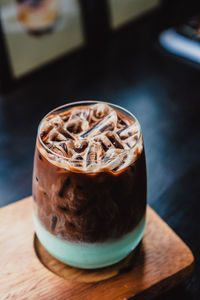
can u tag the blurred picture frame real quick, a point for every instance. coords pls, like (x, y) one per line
(123, 12)
(35, 33)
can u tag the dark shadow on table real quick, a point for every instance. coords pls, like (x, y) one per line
(179, 206)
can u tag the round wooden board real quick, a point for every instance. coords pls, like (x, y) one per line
(82, 275)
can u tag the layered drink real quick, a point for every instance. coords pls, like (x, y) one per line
(89, 184)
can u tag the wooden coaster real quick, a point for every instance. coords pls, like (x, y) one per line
(76, 274)
(162, 262)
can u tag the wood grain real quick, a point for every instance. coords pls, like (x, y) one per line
(162, 262)
(81, 275)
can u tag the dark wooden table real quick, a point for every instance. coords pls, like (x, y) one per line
(162, 92)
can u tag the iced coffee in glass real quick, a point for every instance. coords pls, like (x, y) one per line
(89, 184)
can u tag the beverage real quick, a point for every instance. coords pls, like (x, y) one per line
(89, 184)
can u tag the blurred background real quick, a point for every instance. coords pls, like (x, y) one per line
(141, 54)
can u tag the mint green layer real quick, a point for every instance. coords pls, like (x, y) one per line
(86, 255)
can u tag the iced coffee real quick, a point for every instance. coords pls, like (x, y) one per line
(89, 184)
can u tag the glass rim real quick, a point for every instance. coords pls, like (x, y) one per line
(85, 102)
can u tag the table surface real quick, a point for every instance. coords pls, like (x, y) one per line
(161, 91)
(143, 274)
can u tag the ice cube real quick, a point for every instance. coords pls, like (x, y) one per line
(104, 142)
(59, 137)
(45, 129)
(127, 159)
(67, 134)
(131, 130)
(93, 158)
(108, 127)
(131, 141)
(58, 150)
(65, 115)
(112, 159)
(80, 146)
(70, 145)
(100, 110)
(74, 126)
(121, 163)
(110, 119)
(75, 114)
(82, 113)
(117, 159)
(85, 114)
(78, 161)
(121, 123)
(55, 121)
(52, 134)
(78, 121)
(65, 147)
(115, 140)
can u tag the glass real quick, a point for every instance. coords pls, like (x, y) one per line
(93, 217)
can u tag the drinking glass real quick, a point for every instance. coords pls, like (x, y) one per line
(89, 218)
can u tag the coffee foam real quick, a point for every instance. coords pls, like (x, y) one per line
(91, 139)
